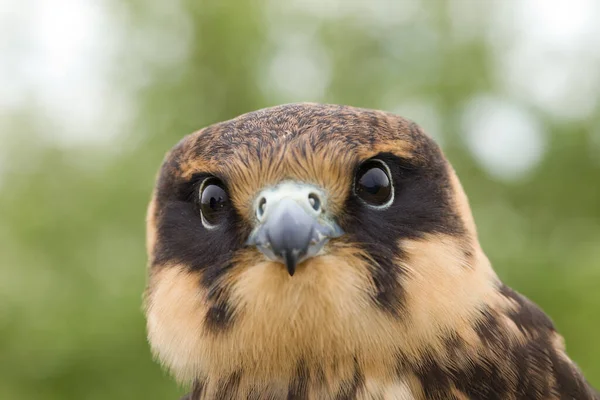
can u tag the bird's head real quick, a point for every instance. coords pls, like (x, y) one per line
(308, 234)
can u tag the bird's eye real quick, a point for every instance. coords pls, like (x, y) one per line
(214, 202)
(373, 183)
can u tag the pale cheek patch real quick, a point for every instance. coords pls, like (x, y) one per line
(461, 203)
(323, 313)
(175, 316)
(443, 292)
(151, 228)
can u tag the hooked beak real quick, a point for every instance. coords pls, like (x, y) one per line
(293, 225)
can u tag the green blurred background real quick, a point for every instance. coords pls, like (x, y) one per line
(93, 93)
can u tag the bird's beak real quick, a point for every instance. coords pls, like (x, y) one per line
(292, 223)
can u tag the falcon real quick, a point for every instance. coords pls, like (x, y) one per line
(312, 251)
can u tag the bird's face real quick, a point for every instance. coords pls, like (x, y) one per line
(308, 234)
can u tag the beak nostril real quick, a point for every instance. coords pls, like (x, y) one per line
(291, 224)
(262, 205)
(314, 201)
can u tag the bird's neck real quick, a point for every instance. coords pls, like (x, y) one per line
(308, 385)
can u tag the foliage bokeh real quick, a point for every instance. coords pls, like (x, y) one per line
(72, 258)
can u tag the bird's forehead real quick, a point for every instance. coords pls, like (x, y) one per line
(319, 144)
(311, 126)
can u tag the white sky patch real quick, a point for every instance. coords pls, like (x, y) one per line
(547, 54)
(55, 59)
(560, 23)
(299, 70)
(505, 139)
(566, 87)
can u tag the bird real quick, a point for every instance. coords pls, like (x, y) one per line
(320, 251)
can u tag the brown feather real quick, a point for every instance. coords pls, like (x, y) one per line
(413, 311)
